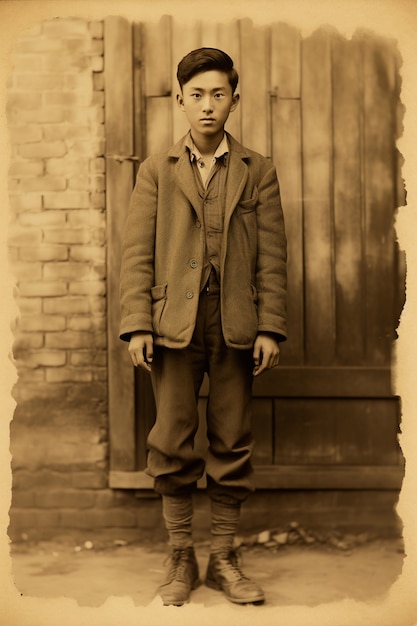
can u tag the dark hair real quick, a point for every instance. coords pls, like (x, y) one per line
(204, 60)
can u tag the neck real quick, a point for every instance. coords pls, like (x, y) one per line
(207, 145)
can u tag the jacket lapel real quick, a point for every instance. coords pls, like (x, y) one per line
(185, 180)
(237, 176)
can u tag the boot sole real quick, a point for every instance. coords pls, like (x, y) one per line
(196, 584)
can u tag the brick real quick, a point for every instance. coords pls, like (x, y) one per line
(67, 166)
(89, 358)
(44, 183)
(26, 202)
(96, 29)
(44, 288)
(67, 235)
(44, 115)
(27, 271)
(66, 200)
(96, 254)
(23, 498)
(26, 63)
(40, 82)
(91, 217)
(68, 305)
(90, 480)
(98, 81)
(97, 64)
(84, 115)
(30, 376)
(24, 236)
(67, 63)
(88, 288)
(43, 149)
(44, 253)
(79, 183)
(43, 219)
(67, 374)
(51, 323)
(26, 168)
(80, 323)
(47, 358)
(45, 478)
(70, 98)
(24, 101)
(98, 166)
(98, 184)
(29, 305)
(64, 28)
(34, 45)
(69, 498)
(28, 133)
(27, 341)
(22, 519)
(98, 236)
(97, 47)
(47, 518)
(98, 200)
(66, 271)
(69, 340)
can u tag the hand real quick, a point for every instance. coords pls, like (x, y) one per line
(141, 350)
(265, 353)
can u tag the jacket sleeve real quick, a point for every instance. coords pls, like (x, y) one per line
(271, 268)
(137, 266)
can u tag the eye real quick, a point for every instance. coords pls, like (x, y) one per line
(218, 96)
(196, 96)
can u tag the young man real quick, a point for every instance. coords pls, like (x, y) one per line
(203, 289)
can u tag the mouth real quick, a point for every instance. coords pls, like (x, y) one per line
(207, 119)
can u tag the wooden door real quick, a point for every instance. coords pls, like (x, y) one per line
(325, 110)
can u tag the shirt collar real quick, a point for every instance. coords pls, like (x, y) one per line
(222, 149)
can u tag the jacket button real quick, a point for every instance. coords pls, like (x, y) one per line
(189, 295)
(193, 263)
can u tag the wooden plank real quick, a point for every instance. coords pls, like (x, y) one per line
(286, 154)
(159, 125)
(379, 81)
(119, 184)
(317, 184)
(119, 100)
(254, 63)
(285, 61)
(225, 36)
(349, 242)
(185, 37)
(139, 101)
(325, 431)
(157, 44)
(343, 382)
(352, 478)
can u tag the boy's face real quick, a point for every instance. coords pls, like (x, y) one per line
(207, 100)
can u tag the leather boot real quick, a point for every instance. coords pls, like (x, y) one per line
(182, 577)
(224, 574)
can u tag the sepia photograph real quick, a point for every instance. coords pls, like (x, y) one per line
(208, 414)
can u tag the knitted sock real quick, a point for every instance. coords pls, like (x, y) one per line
(224, 524)
(178, 512)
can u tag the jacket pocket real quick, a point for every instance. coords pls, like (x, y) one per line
(159, 297)
(247, 206)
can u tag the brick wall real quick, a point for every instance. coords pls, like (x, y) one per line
(59, 433)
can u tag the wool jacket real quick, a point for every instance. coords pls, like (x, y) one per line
(164, 250)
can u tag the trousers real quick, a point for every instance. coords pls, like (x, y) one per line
(177, 376)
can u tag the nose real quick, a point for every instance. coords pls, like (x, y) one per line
(207, 104)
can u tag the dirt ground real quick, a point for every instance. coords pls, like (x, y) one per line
(293, 575)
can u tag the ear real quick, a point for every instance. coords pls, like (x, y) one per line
(235, 101)
(180, 101)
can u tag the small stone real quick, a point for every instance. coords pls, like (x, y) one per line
(264, 536)
(120, 542)
(280, 538)
(77, 549)
(88, 545)
(270, 544)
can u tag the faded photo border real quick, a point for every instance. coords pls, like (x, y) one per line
(390, 18)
